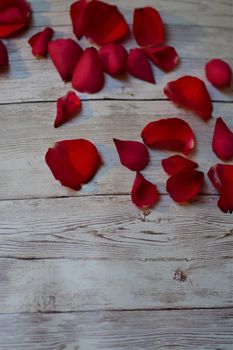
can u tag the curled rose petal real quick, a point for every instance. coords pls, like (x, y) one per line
(73, 162)
(191, 93)
(175, 164)
(113, 58)
(103, 23)
(88, 75)
(164, 57)
(222, 143)
(219, 73)
(148, 27)
(139, 66)
(133, 154)
(67, 108)
(185, 185)
(221, 176)
(39, 42)
(77, 11)
(4, 61)
(65, 54)
(14, 15)
(144, 194)
(173, 134)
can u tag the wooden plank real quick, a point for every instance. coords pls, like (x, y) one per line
(27, 132)
(149, 330)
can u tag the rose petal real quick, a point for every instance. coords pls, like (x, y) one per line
(4, 61)
(148, 27)
(103, 23)
(77, 11)
(175, 164)
(219, 73)
(114, 58)
(191, 93)
(185, 185)
(39, 42)
(14, 15)
(65, 54)
(67, 108)
(144, 194)
(222, 140)
(165, 57)
(88, 75)
(173, 134)
(73, 162)
(133, 154)
(139, 66)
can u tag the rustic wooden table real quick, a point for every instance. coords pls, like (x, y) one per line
(87, 270)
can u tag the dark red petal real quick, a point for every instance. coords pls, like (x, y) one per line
(67, 108)
(144, 194)
(88, 75)
(219, 73)
(73, 162)
(185, 185)
(113, 58)
(173, 134)
(4, 61)
(65, 54)
(103, 23)
(139, 66)
(191, 93)
(133, 154)
(148, 27)
(14, 15)
(174, 164)
(165, 57)
(77, 11)
(39, 42)
(222, 140)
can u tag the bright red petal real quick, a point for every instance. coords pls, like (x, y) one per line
(185, 185)
(88, 75)
(113, 58)
(144, 194)
(77, 11)
(139, 66)
(103, 23)
(222, 140)
(219, 73)
(133, 154)
(165, 57)
(191, 93)
(175, 164)
(67, 108)
(4, 61)
(65, 54)
(39, 42)
(173, 134)
(148, 27)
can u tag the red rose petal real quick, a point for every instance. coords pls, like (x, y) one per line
(185, 185)
(73, 162)
(165, 57)
(77, 11)
(39, 42)
(144, 194)
(103, 23)
(14, 15)
(4, 61)
(133, 154)
(114, 58)
(148, 27)
(67, 108)
(65, 54)
(173, 134)
(219, 73)
(139, 66)
(191, 93)
(175, 164)
(88, 75)
(222, 140)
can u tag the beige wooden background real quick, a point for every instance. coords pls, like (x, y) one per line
(87, 270)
